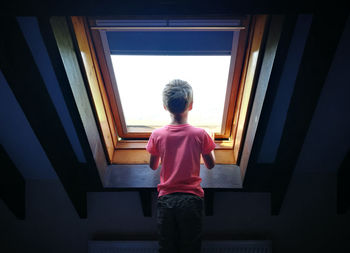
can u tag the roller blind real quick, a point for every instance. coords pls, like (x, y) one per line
(170, 42)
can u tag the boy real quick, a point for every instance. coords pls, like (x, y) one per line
(179, 146)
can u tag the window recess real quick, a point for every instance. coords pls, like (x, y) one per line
(128, 62)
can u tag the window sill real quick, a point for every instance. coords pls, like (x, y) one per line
(141, 156)
(134, 152)
(141, 144)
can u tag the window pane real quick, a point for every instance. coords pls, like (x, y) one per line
(141, 79)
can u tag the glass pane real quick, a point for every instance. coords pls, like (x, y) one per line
(141, 80)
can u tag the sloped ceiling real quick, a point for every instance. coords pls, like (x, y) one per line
(328, 131)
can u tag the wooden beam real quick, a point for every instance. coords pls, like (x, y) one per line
(343, 186)
(93, 180)
(252, 65)
(12, 185)
(316, 61)
(26, 83)
(267, 60)
(96, 87)
(73, 70)
(258, 176)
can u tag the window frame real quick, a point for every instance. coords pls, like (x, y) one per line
(99, 39)
(105, 101)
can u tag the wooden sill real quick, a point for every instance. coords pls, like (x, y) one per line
(141, 144)
(141, 156)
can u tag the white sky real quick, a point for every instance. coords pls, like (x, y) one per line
(141, 79)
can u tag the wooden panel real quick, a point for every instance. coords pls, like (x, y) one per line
(99, 97)
(75, 76)
(94, 182)
(258, 176)
(125, 156)
(249, 79)
(141, 156)
(131, 144)
(261, 87)
(101, 83)
(20, 69)
(141, 144)
(12, 186)
(316, 61)
(225, 157)
(112, 92)
(236, 81)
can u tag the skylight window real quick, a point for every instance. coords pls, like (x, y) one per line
(139, 61)
(141, 93)
(128, 62)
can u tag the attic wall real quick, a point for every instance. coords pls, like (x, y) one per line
(307, 222)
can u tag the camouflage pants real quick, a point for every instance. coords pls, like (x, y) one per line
(179, 221)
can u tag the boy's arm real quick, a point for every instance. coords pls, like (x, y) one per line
(209, 160)
(154, 162)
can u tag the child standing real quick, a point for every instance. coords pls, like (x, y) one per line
(179, 147)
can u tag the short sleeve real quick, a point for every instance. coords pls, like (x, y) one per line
(207, 143)
(151, 146)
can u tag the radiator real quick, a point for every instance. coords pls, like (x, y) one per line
(246, 246)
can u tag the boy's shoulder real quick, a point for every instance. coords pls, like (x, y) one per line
(159, 130)
(178, 128)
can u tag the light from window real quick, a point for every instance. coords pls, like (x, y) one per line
(141, 79)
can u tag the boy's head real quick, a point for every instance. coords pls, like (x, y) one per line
(177, 96)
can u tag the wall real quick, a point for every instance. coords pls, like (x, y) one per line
(307, 223)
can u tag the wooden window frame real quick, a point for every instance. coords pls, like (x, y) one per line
(101, 46)
(123, 148)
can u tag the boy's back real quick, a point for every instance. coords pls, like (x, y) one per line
(180, 148)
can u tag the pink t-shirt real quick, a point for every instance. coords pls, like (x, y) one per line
(180, 147)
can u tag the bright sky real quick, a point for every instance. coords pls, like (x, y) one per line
(141, 79)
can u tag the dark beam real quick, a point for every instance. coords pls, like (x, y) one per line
(209, 202)
(316, 61)
(12, 185)
(146, 202)
(26, 83)
(258, 176)
(343, 186)
(93, 179)
(160, 7)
